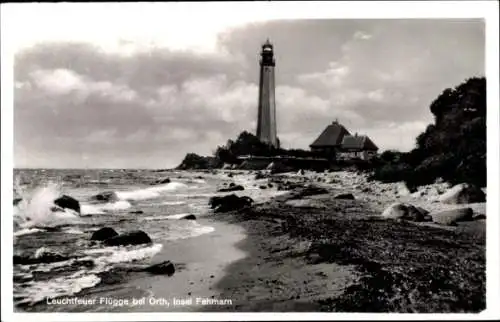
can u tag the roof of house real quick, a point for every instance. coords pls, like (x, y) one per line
(358, 142)
(331, 136)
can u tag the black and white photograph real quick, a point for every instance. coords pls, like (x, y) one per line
(242, 157)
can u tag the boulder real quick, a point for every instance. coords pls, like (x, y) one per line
(135, 237)
(348, 196)
(136, 212)
(103, 234)
(189, 217)
(231, 188)
(68, 202)
(263, 187)
(17, 200)
(163, 268)
(451, 217)
(229, 203)
(403, 211)
(107, 196)
(463, 193)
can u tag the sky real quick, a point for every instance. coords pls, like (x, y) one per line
(152, 83)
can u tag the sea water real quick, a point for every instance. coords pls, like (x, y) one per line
(140, 204)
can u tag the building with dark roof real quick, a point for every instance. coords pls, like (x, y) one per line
(330, 140)
(357, 147)
(336, 142)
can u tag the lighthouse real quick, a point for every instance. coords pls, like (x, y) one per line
(266, 119)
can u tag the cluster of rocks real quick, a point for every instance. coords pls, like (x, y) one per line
(110, 237)
(229, 203)
(231, 187)
(406, 211)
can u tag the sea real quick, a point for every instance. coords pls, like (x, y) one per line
(142, 203)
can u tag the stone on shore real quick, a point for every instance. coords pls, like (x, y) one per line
(163, 181)
(103, 234)
(229, 203)
(451, 217)
(463, 193)
(310, 190)
(348, 196)
(68, 202)
(163, 268)
(231, 188)
(17, 201)
(189, 217)
(107, 196)
(403, 211)
(135, 237)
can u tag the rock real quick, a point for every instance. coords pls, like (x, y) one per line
(260, 175)
(136, 212)
(310, 190)
(189, 217)
(403, 211)
(164, 268)
(68, 202)
(232, 184)
(270, 185)
(229, 203)
(422, 211)
(463, 194)
(263, 187)
(231, 188)
(107, 196)
(103, 234)
(230, 175)
(451, 217)
(163, 181)
(135, 237)
(17, 200)
(348, 196)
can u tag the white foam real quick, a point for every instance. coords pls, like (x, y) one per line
(36, 211)
(65, 285)
(173, 203)
(27, 231)
(124, 254)
(164, 217)
(150, 193)
(87, 210)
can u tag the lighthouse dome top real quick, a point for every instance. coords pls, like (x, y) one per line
(267, 46)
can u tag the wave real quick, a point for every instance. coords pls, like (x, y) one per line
(103, 258)
(173, 203)
(27, 231)
(165, 217)
(89, 209)
(36, 210)
(151, 192)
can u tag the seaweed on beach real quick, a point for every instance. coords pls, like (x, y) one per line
(404, 267)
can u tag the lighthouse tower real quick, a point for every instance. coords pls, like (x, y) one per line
(266, 122)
